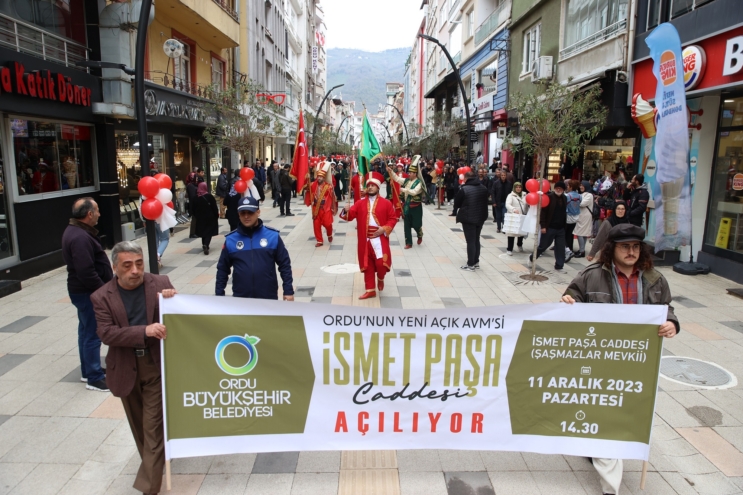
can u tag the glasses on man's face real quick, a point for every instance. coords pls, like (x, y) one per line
(629, 247)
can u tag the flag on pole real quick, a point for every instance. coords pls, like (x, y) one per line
(300, 163)
(369, 149)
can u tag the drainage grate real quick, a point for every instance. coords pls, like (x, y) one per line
(696, 373)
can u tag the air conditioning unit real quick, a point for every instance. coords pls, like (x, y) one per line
(541, 69)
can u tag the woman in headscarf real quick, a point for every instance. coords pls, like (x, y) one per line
(619, 216)
(516, 204)
(191, 189)
(206, 211)
(584, 226)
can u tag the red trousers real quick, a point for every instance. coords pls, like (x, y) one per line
(324, 219)
(373, 266)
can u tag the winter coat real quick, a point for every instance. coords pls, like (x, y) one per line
(471, 202)
(500, 191)
(584, 226)
(595, 284)
(223, 186)
(207, 215)
(516, 205)
(637, 202)
(88, 267)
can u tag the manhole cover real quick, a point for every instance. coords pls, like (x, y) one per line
(696, 373)
(341, 269)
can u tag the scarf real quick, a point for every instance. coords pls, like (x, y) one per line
(202, 189)
(615, 220)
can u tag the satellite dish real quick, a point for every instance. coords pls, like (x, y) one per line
(173, 48)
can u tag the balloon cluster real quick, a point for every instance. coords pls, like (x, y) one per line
(534, 195)
(337, 158)
(157, 200)
(246, 175)
(439, 167)
(405, 161)
(461, 171)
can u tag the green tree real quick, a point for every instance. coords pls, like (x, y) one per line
(242, 117)
(556, 118)
(441, 134)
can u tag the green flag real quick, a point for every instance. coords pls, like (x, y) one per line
(369, 149)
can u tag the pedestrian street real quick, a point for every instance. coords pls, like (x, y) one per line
(58, 437)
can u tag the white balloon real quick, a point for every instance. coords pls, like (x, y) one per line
(165, 196)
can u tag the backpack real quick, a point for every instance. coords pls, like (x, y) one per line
(573, 207)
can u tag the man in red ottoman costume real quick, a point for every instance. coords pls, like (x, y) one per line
(324, 204)
(375, 218)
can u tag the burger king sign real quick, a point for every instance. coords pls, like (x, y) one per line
(695, 61)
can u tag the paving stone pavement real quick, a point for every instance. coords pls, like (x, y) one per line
(58, 437)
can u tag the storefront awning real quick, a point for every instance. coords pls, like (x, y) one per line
(448, 79)
(501, 114)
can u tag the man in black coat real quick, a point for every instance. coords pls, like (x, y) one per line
(471, 203)
(223, 187)
(286, 191)
(499, 191)
(552, 221)
(637, 196)
(88, 269)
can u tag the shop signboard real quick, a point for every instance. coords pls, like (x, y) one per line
(482, 105)
(713, 63)
(165, 105)
(242, 375)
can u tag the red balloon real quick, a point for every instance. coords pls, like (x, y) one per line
(532, 185)
(241, 186)
(170, 205)
(151, 208)
(164, 180)
(545, 200)
(247, 174)
(546, 186)
(148, 187)
(532, 198)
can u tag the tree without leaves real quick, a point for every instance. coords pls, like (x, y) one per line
(241, 117)
(441, 134)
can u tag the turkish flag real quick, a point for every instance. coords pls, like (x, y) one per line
(301, 163)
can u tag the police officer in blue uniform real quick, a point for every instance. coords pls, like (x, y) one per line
(252, 250)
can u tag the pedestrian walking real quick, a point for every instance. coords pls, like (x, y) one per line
(321, 198)
(500, 190)
(413, 191)
(286, 192)
(552, 221)
(251, 254)
(191, 189)
(618, 217)
(207, 216)
(584, 225)
(127, 311)
(451, 184)
(624, 274)
(572, 198)
(516, 205)
(471, 204)
(274, 179)
(223, 187)
(88, 269)
(427, 173)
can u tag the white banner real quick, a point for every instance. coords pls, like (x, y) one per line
(547, 378)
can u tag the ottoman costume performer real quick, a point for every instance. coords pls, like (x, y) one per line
(356, 187)
(375, 218)
(323, 201)
(414, 192)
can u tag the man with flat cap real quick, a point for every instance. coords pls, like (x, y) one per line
(623, 274)
(251, 252)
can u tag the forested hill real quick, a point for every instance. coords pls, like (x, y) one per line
(365, 74)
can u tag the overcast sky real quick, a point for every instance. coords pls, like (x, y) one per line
(371, 25)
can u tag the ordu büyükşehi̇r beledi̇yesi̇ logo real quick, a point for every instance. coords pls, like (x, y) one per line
(249, 343)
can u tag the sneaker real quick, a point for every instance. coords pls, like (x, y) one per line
(520, 249)
(467, 268)
(568, 258)
(561, 270)
(290, 214)
(99, 386)
(510, 253)
(477, 266)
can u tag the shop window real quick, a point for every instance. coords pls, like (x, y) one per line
(532, 46)
(725, 224)
(215, 165)
(130, 171)
(52, 157)
(6, 236)
(470, 23)
(585, 18)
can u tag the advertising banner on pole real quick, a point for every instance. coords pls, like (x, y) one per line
(246, 375)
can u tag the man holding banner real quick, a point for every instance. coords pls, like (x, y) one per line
(128, 315)
(376, 217)
(624, 274)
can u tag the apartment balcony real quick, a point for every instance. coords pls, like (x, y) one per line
(294, 40)
(213, 20)
(292, 73)
(298, 6)
(181, 85)
(609, 32)
(27, 38)
(490, 26)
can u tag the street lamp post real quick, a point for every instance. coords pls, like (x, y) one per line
(405, 126)
(338, 132)
(317, 115)
(461, 88)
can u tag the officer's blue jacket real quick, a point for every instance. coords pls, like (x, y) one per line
(253, 253)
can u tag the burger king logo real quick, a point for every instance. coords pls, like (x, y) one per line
(668, 68)
(695, 61)
(738, 182)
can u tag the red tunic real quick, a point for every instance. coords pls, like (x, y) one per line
(386, 218)
(356, 187)
(324, 202)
